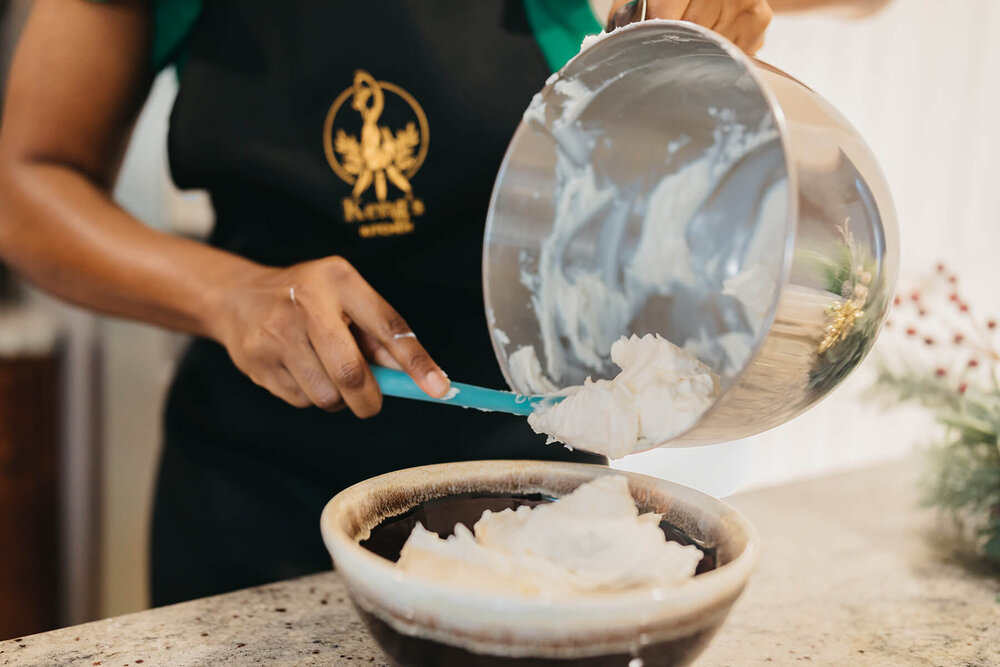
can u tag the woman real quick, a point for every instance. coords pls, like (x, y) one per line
(349, 151)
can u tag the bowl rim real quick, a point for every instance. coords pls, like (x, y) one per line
(520, 625)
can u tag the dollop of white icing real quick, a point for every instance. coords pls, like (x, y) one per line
(660, 392)
(591, 541)
(527, 372)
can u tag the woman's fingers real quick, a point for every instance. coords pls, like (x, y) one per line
(624, 12)
(319, 302)
(668, 9)
(417, 363)
(306, 333)
(281, 383)
(302, 363)
(340, 356)
(750, 43)
(384, 324)
(745, 24)
(703, 13)
(373, 349)
(373, 315)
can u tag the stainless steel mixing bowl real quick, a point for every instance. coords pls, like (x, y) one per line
(742, 216)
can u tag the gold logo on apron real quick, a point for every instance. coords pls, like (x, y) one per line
(377, 159)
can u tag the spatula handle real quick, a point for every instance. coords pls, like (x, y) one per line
(399, 384)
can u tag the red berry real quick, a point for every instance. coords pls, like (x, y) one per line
(915, 296)
(964, 307)
(952, 279)
(911, 332)
(897, 301)
(953, 296)
(973, 363)
(962, 387)
(940, 372)
(929, 340)
(959, 338)
(992, 324)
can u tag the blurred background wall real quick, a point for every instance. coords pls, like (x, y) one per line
(33, 332)
(921, 81)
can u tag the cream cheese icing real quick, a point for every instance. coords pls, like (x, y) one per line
(525, 367)
(591, 541)
(660, 392)
(584, 301)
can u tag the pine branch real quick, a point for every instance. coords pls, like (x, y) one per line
(962, 474)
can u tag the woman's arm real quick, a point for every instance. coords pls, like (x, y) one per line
(79, 77)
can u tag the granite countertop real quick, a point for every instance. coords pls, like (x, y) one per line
(848, 576)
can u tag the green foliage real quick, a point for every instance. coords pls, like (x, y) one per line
(963, 472)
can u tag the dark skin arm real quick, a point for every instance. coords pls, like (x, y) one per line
(79, 78)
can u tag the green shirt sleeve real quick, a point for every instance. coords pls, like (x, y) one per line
(172, 21)
(559, 26)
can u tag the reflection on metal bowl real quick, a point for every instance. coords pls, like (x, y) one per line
(664, 182)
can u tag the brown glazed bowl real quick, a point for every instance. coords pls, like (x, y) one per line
(422, 623)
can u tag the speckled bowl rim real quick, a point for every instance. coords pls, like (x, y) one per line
(521, 626)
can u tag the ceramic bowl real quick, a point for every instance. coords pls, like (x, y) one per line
(422, 623)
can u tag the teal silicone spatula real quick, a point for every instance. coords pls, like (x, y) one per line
(399, 384)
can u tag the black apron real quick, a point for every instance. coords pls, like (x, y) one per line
(371, 130)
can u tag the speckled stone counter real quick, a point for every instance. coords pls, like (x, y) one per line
(848, 576)
(305, 621)
(851, 574)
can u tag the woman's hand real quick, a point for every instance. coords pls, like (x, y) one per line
(305, 334)
(64, 132)
(743, 22)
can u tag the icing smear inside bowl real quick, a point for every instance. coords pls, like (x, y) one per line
(592, 541)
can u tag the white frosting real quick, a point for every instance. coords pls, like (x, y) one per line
(584, 304)
(575, 304)
(535, 111)
(585, 299)
(591, 541)
(501, 336)
(662, 257)
(660, 392)
(527, 372)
